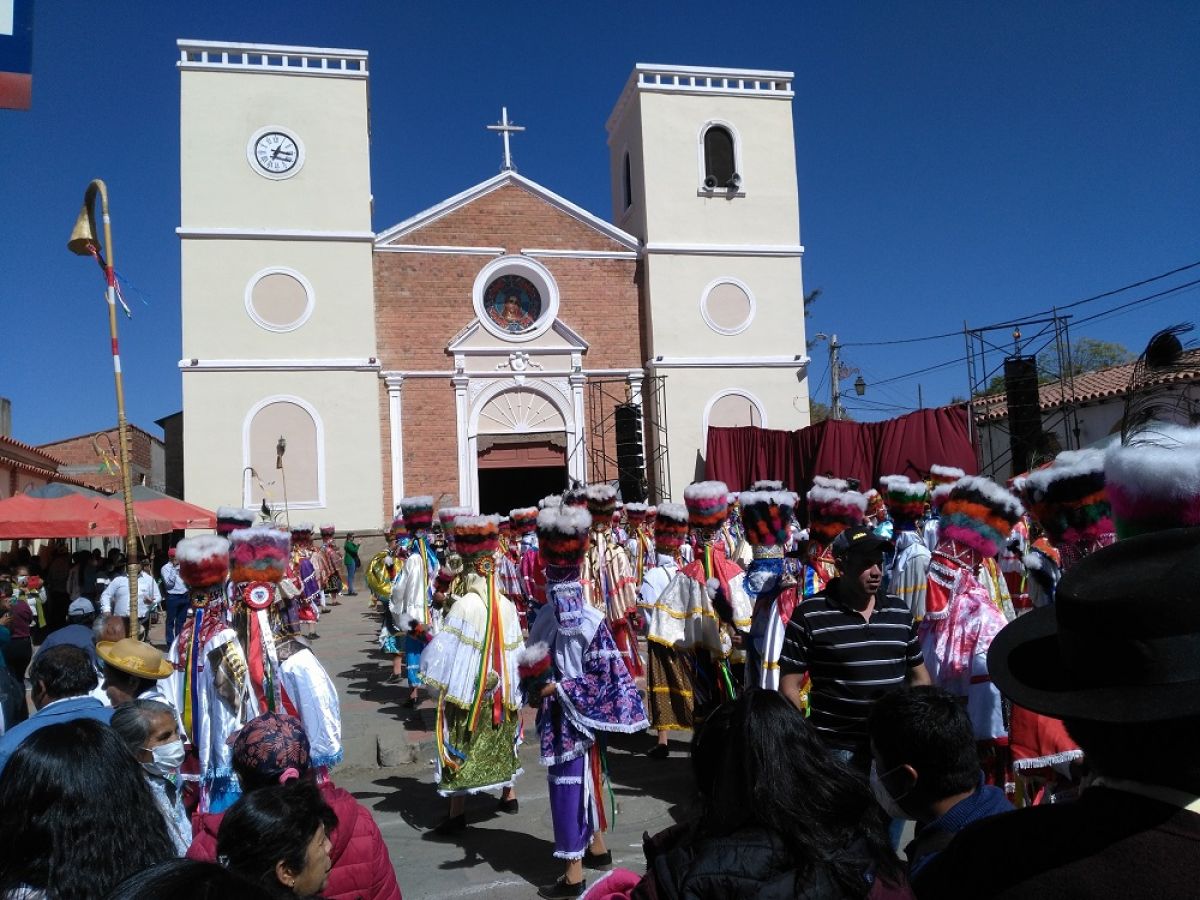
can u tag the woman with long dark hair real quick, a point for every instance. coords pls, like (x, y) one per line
(781, 817)
(76, 815)
(277, 837)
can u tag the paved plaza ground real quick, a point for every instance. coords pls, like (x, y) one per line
(499, 856)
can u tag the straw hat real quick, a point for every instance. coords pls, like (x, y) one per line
(134, 657)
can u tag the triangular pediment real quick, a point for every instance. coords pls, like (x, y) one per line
(403, 232)
(475, 339)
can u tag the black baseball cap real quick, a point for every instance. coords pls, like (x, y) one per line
(859, 539)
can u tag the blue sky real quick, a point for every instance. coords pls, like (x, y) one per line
(957, 161)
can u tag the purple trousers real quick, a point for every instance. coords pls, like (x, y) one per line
(572, 807)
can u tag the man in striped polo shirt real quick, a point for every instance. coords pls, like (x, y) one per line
(855, 642)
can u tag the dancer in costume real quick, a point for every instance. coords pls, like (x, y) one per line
(909, 576)
(961, 617)
(210, 685)
(332, 568)
(1067, 501)
(670, 642)
(306, 584)
(231, 518)
(382, 572)
(772, 581)
(472, 664)
(524, 528)
(573, 673)
(640, 543)
(941, 479)
(411, 601)
(832, 508)
(733, 535)
(608, 577)
(292, 680)
(508, 570)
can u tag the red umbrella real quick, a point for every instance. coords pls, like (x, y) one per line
(71, 516)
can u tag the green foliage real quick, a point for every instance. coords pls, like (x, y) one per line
(1087, 355)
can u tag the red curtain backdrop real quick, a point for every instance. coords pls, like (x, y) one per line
(907, 445)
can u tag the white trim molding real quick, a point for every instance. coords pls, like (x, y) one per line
(271, 59)
(727, 249)
(580, 254)
(421, 219)
(733, 392)
(527, 268)
(799, 361)
(309, 293)
(737, 283)
(247, 425)
(370, 364)
(272, 234)
(439, 248)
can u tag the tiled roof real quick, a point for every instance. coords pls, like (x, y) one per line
(48, 474)
(28, 448)
(1089, 387)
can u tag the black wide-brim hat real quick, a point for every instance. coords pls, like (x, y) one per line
(1120, 644)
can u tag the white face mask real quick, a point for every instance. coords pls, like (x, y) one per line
(884, 797)
(167, 758)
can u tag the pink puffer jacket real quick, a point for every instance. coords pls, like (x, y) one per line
(362, 869)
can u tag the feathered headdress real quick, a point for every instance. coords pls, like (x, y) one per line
(904, 499)
(767, 516)
(303, 529)
(767, 486)
(1067, 498)
(939, 495)
(832, 510)
(979, 513)
(230, 518)
(524, 520)
(635, 513)
(1149, 398)
(1154, 483)
(476, 535)
(418, 512)
(203, 561)
(670, 528)
(874, 502)
(576, 496)
(448, 516)
(258, 554)
(945, 474)
(707, 504)
(601, 502)
(563, 535)
(553, 501)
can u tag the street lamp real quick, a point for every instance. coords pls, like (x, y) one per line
(860, 386)
(280, 449)
(83, 242)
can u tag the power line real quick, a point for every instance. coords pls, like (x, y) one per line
(1072, 305)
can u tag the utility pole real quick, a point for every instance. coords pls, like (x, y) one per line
(920, 399)
(835, 390)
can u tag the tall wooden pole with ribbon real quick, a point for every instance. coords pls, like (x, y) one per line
(83, 243)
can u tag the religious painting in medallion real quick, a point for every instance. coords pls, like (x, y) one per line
(513, 303)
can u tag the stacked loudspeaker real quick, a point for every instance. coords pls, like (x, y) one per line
(1024, 410)
(631, 462)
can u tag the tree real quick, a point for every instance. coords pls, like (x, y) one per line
(819, 412)
(1087, 355)
(809, 300)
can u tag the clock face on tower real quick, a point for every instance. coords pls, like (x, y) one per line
(275, 153)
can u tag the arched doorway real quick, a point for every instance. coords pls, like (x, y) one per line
(521, 438)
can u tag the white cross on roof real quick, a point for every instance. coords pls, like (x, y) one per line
(506, 128)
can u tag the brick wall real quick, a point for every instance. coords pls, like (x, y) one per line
(80, 459)
(423, 300)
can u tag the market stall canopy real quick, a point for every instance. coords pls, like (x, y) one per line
(181, 514)
(72, 515)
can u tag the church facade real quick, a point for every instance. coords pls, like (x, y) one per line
(493, 348)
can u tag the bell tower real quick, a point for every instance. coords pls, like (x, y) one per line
(703, 170)
(277, 290)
